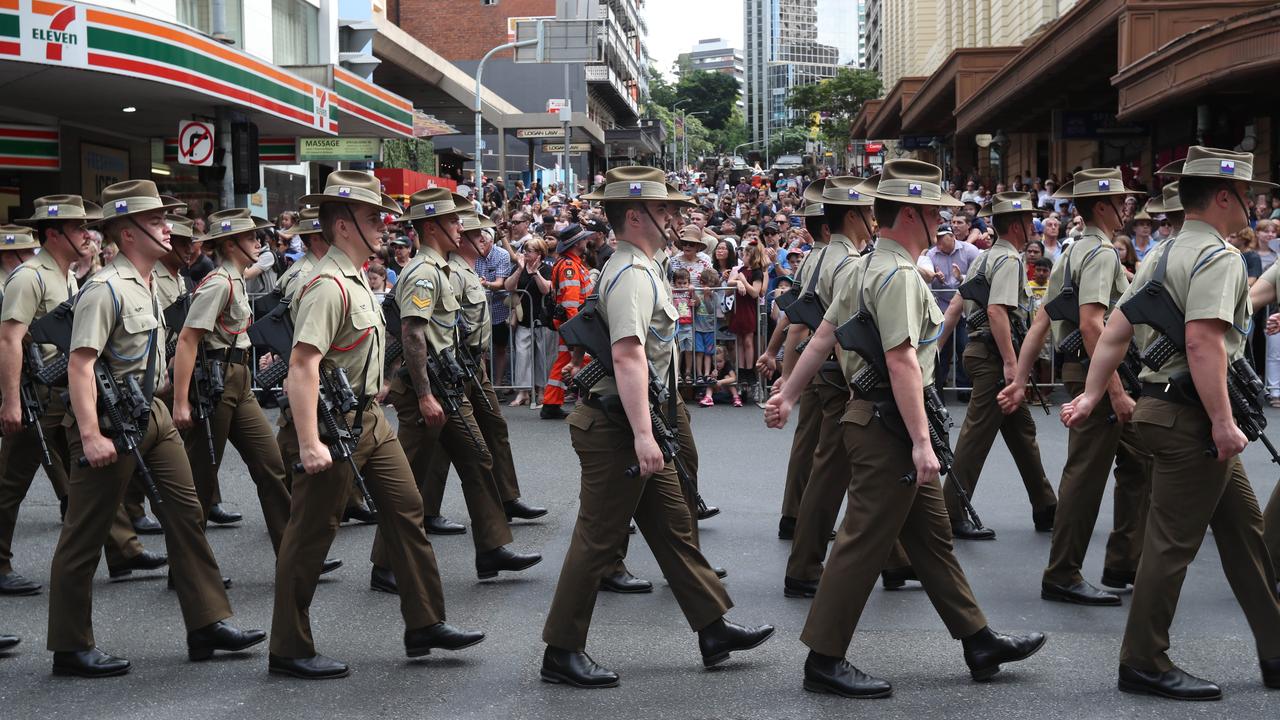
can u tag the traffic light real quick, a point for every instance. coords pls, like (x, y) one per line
(245, 173)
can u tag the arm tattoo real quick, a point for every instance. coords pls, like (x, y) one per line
(414, 338)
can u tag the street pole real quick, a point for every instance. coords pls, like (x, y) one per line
(565, 117)
(479, 172)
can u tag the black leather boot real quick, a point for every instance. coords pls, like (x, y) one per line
(625, 583)
(439, 525)
(91, 663)
(521, 510)
(383, 580)
(220, 636)
(316, 667)
(795, 588)
(966, 530)
(722, 637)
(825, 674)
(575, 668)
(985, 650)
(444, 636)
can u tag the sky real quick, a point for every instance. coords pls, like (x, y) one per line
(675, 26)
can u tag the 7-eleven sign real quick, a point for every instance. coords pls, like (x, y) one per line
(52, 32)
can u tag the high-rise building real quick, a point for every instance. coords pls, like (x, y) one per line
(715, 55)
(872, 37)
(784, 51)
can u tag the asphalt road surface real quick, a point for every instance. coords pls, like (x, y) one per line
(643, 637)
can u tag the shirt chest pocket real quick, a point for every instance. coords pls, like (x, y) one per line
(364, 319)
(474, 295)
(137, 322)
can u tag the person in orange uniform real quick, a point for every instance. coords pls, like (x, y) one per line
(571, 282)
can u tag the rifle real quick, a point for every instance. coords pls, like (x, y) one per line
(1245, 390)
(336, 399)
(32, 408)
(467, 364)
(128, 413)
(977, 289)
(208, 381)
(860, 335)
(1128, 369)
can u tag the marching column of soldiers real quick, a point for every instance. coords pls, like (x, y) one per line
(129, 389)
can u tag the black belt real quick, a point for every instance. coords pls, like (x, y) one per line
(233, 356)
(877, 395)
(597, 402)
(1168, 393)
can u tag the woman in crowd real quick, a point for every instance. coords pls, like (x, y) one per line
(535, 340)
(1030, 254)
(748, 282)
(1127, 252)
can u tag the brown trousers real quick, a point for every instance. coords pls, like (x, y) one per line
(982, 422)
(608, 500)
(1090, 451)
(20, 458)
(880, 511)
(94, 499)
(489, 528)
(317, 505)
(1271, 528)
(803, 446)
(493, 430)
(1191, 492)
(287, 444)
(828, 484)
(240, 419)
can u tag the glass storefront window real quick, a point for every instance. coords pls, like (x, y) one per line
(295, 32)
(199, 15)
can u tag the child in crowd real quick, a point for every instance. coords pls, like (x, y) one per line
(376, 273)
(1039, 282)
(705, 321)
(725, 387)
(682, 298)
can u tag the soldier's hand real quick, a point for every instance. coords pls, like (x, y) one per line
(11, 416)
(1010, 373)
(1228, 439)
(99, 450)
(1273, 324)
(266, 360)
(182, 414)
(315, 457)
(1122, 405)
(1074, 413)
(778, 385)
(381, 397)
(649, 455)
(432, 413)
(1011, 397)
(766, 365)
(926, 462)
(776, 412)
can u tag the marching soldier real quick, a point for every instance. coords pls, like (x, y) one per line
(805, 441)
(1087, 280)
(887, 436)
(119, 326)
(1184, 418)
(484, 401)
(611, 430)
(34, 288)
(429, 311)
(990, 365)
(571, 283)
(339, 326)
(219, 313)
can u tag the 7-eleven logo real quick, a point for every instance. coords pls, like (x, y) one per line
(57, 33)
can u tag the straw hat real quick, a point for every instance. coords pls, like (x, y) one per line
(841, 190)
(1007, 203)
(638, 182)
(912, 182)
(62, 207)
(353, 186)
(17, 237)
(436, 202)
(1095, 182)
(1207, 162)
(1168, 202)
(132, 197)
(225, 223)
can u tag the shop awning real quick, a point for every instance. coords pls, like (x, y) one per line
(858, 128)
(364, 109)
(1236, 54)
(958, 78)
(83, 63)
(1068, 64)
(888, 121)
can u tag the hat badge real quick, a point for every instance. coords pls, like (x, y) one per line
(1017, 204)
(122, 206)
(52, 211)
(226, 226)
(635, 188)
(1104, 185)
(1228, 167)
(853, 194)
(315, 224)
(429, 209)
(9, 239)
(914, 189)
(344, 192)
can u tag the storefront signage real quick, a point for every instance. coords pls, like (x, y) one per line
(355, 96)
(28, 147)
(101, 166)
(559, 147)
(339, 149)
(534, 133)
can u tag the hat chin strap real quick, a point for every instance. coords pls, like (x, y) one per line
(351, 214)
(133, 219)
(652, 219)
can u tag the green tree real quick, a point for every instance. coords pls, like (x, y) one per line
(841, 96)
(788, 141)
(714, 92)
(733, 133)
(415, 154)
(661, 92)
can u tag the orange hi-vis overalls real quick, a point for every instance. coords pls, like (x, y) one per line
(571, 282)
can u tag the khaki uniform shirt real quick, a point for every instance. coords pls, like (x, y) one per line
(1007, 279)
(474, 301)
(169, 287)
(297, 272)
(896, 295)
(221, 308)
(1096, 272)
(119, 316)
(424, 290)
(1206, 280)
(337, 313)
(1270, 276)
(636, 303)
(33, 289)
